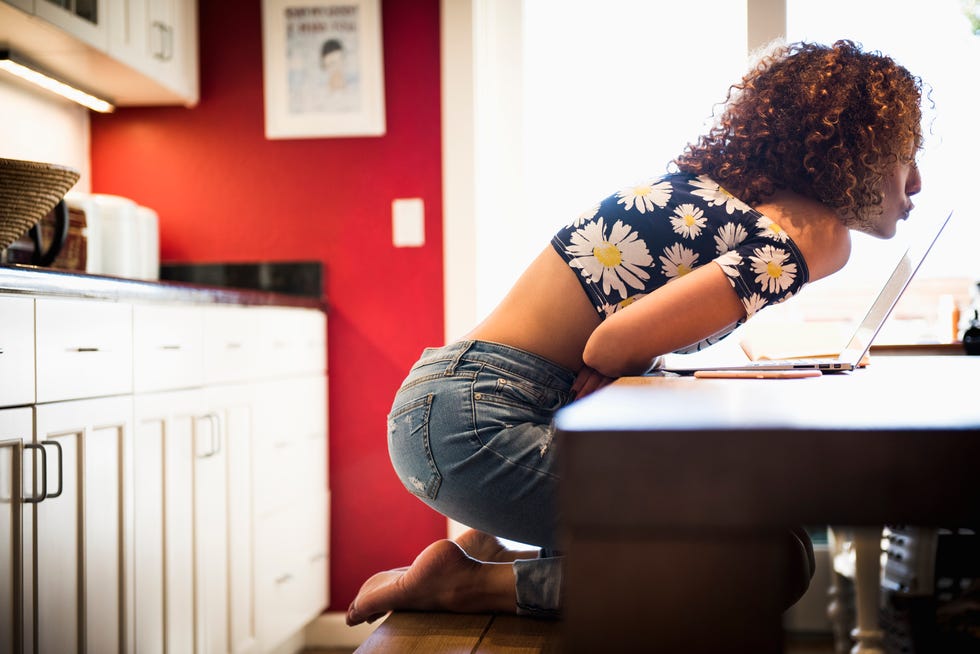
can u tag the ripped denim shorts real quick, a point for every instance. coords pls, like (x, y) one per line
(470, 434)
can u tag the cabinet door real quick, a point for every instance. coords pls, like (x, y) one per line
(173, 31)
(291, 505)
(84, 544)
(223, 522)
(26, 5)
(16, 351)
(85, 19)
(163, 455)
(159, 39)
(16, 531)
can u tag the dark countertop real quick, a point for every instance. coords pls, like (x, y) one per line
(31, 280)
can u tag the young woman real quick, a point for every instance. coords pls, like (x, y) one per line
(813, 142)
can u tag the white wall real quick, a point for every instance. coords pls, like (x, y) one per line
(38, 126)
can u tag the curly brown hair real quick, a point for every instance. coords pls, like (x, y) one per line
(826, 122)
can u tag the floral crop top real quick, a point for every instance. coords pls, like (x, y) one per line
(644, 236)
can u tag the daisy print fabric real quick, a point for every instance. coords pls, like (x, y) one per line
(649, 234)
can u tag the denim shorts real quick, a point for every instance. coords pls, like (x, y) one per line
(470, 434)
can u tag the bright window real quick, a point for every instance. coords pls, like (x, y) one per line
(936, 42)
(612, 91)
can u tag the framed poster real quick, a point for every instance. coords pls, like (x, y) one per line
(322, 68)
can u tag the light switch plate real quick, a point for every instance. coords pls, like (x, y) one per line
(408, 222)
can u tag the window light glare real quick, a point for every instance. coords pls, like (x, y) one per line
(53, 85)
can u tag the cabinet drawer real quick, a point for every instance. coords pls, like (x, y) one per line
(230, 347)
(84, 349)
(290, 462)
(291, 568)
(291, 341)
(16, 351)
(168, 347)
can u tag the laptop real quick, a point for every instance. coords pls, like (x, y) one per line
(860, 342)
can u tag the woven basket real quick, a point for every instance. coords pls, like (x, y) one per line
(28, 191)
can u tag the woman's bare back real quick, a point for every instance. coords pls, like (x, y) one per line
(546, 313)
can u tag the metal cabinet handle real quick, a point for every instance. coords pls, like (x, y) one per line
(284, 578)
(160, 53)
(61, 478)
(216, 432)
(215, 445)
(170, 42)
(37, 499)
(88, 349)
(171, 347)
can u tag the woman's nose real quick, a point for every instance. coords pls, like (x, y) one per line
(914, 182)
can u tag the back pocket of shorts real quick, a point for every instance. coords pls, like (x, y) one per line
(408, 445)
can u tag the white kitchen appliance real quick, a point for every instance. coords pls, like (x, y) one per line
(122, 236)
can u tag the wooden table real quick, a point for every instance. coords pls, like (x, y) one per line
(673, 488)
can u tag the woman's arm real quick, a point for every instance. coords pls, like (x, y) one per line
(682, 312)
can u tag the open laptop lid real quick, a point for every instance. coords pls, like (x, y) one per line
(859, 344)
(908, 265)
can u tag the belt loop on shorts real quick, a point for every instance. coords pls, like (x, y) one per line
(451, 368)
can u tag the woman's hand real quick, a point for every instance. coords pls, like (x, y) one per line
(587, 381)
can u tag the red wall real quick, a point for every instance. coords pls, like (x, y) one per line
(224, 193)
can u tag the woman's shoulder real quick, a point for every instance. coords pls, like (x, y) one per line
(816, 229)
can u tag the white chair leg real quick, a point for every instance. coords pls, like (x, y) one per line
(868, 636)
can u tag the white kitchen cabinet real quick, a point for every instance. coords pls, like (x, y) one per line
(16, 525)
(159, 39)
(184, 500)
(84, 565)
(164, 425)
(16, 351)
(131, 52)
(85, 19)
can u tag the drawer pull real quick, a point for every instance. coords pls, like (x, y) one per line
(233, 346)
(87, 349)
(283, 579)
(279, 445)
(170, 347)
(318, 557)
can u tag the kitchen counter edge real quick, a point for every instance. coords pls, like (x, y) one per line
(30, 280)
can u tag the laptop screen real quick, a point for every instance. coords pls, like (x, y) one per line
(905, 270)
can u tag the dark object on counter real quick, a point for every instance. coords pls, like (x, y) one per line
(28, 191)
(48, 242)
(300, 278)
(971, 337)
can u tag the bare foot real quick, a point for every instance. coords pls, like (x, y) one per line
(484, 547)
(442, 578)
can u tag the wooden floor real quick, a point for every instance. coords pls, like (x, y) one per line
(480, 633)
(436, 633)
